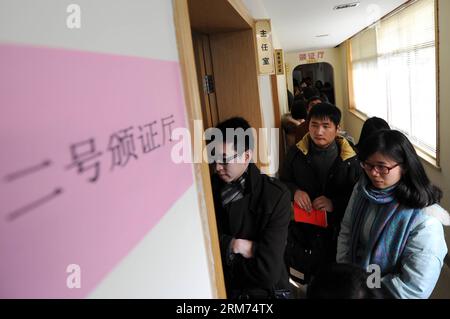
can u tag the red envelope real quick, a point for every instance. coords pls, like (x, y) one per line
(314, 217)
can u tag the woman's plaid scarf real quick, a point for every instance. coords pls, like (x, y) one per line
(390, 230)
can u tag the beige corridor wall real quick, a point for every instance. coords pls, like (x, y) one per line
(439, 176)
(257, 10)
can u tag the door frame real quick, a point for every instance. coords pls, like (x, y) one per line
(194, 112)
(201, 170)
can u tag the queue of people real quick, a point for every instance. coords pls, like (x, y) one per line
(380, 210)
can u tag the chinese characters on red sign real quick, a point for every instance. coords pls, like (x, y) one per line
(311, 57)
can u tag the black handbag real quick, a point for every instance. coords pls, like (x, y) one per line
(308, 248)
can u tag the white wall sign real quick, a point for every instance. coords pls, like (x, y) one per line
(264, 46)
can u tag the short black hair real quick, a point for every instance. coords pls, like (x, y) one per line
(309, 92)
(313, 98)
(414, 189)
(242, 135)
(341, 281)
(370, 126)
(325, 111)
(298, 110)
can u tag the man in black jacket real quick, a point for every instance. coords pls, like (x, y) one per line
(253, 213)
(320, 171)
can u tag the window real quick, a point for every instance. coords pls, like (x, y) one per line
(393, 65)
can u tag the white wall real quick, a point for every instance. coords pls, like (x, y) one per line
(172, 260)
(168, 263)
(258, 11)
(135, 28)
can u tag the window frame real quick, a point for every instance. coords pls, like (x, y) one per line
(433, 159)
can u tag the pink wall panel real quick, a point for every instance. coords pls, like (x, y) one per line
(85, 163)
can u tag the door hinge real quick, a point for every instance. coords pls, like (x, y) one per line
(208, 84)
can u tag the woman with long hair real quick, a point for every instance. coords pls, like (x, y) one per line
(393, 220)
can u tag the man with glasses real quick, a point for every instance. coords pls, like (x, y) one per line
(252, 212)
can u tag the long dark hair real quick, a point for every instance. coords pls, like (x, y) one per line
(414, 189)
(370, 126)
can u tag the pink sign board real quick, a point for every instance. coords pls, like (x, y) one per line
(85, 166)
(311, 57)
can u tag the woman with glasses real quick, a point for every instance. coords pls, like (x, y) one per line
(393, 223)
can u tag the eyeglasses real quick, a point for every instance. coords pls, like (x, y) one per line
(224, 161)
(380, 169)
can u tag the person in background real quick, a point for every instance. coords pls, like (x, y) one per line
(329, 92)
(290, 97)
(393, 219)
(318, 85)
(297, 90)
(313, 100)
(252, 212)
(290, 122)
(370, 126)
(309, 81)
(309, 92)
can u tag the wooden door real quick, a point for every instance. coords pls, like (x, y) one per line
(205, 77)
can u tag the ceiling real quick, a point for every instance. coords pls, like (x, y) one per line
(298, 23)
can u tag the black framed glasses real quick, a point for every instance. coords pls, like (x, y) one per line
(380, 169)
(223, 160)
